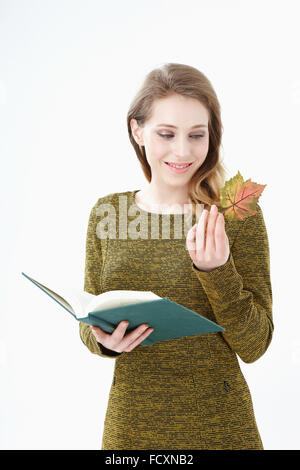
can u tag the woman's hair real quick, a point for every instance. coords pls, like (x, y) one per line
(205, 184)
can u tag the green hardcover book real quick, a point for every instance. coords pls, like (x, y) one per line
(169, 319)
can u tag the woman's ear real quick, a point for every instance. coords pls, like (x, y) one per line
(136, 131)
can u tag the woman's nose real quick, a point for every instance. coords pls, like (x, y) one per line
(181, 148)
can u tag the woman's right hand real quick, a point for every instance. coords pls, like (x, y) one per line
(116, 341)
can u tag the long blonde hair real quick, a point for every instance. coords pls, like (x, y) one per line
(205, 184)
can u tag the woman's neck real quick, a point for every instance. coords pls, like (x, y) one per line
(162, 200)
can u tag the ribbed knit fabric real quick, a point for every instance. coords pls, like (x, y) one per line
(189, 392)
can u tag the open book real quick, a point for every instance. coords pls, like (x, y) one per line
(169, 319)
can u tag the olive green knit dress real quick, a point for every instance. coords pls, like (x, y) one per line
(189, 392)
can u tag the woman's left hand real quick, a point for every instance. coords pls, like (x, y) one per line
(212, 250)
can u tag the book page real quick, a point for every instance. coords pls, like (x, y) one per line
(117, 298)
(78, 299)
(71, 299)
(56, 296)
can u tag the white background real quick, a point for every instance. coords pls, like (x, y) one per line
(68, 72)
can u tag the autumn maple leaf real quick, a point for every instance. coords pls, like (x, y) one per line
(238, 198)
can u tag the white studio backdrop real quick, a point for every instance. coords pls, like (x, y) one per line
(68, 72)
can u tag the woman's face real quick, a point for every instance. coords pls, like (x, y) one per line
(180, 145)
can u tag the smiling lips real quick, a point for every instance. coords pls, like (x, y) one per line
(178, 168)
(178, 164)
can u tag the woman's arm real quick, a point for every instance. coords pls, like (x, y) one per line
(92, 283)
(240, 291)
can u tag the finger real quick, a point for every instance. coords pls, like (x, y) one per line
(135, 334)
(120, 330)
(98, 333)
(141, 338)
(131, 337)
(210, 233)
(220, 235)
(200, 231)
(191, 239)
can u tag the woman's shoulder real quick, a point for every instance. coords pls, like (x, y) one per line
(112, 198)
(256, 218)
(252, 229)
(253, 216)
(237, 228)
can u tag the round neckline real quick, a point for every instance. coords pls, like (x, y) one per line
(133, 193)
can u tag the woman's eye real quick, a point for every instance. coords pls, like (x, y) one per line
(167, 136)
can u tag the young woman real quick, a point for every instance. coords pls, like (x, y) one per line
(189, 392)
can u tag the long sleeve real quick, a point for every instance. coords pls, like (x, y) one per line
(240, 291)
(92, 284)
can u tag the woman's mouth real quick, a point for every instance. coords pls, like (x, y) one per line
(178, 168)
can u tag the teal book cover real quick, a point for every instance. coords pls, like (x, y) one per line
(169, 319)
